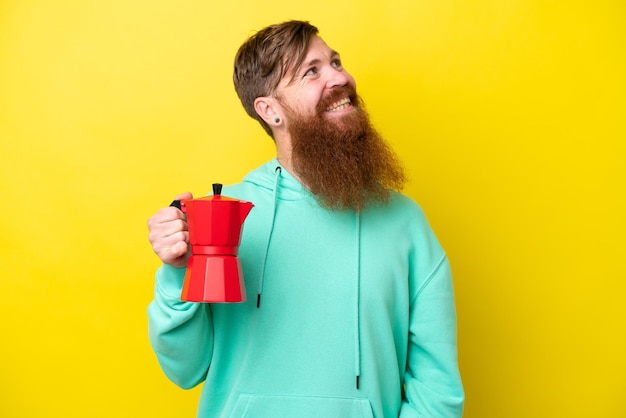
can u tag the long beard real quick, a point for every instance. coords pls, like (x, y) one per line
(345, 163)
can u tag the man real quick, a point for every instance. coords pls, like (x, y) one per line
(350, 309)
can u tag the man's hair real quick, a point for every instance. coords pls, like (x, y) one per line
(266, 57)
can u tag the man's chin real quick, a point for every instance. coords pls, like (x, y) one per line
(347, 121)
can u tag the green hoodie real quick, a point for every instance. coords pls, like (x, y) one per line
(348, 314)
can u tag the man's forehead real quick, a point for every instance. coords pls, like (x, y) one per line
(317, 51)
(317, 46)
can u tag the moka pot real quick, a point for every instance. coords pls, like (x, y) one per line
(214, 271)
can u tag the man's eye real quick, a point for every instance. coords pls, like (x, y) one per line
(311, 71)
(336, 63)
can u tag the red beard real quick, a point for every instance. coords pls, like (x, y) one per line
(344, 162)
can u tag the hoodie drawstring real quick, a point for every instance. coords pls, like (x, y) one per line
(357, 292)
(357, 327)
(277, 171)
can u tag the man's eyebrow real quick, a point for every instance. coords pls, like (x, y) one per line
(315, 61)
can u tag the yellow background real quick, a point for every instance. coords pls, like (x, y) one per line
(509, 115)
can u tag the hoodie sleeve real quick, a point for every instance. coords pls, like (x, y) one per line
(181, 333)
(432, 380)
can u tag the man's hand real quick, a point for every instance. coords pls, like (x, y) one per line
(169, 235)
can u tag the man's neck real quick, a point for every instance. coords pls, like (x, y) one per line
(283, 155)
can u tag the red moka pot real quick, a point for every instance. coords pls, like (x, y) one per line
(215, 224)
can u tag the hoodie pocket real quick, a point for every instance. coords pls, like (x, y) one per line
(262, 406)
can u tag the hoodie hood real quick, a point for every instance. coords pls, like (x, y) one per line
(276, 179)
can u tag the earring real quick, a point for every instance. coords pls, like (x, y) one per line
(277, 120)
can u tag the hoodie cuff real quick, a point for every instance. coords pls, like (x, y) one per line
(170, 281)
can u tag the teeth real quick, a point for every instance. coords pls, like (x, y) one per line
(339, 105)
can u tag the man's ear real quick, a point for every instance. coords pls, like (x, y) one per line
(268, 110)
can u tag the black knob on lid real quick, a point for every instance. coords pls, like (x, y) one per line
(217, 189)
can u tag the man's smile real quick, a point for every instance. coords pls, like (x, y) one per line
(339, 105)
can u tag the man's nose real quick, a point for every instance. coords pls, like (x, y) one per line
(338, 78)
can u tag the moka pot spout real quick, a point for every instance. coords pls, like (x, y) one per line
(244, 210)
